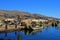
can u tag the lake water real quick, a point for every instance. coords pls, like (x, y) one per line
(47, 33)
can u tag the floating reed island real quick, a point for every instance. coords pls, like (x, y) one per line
(20, 23)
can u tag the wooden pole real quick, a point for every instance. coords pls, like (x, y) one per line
(15, 25)
(6, 27)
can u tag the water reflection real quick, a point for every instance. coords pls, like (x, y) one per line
(10, 36)
(16, 34)
(30, 35)
(27, 32)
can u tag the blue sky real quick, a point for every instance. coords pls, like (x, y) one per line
(44, 7)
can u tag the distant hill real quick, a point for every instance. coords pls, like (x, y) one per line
(14, 13)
